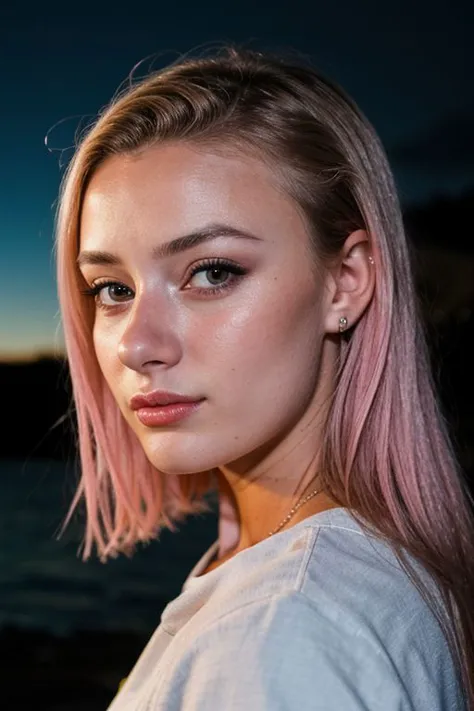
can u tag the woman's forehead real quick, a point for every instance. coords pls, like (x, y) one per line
(175, 189)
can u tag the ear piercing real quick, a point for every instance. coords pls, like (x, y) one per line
(342, 324)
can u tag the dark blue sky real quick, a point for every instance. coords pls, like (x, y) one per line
(408, 65)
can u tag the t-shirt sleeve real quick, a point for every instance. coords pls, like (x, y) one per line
(281, 654)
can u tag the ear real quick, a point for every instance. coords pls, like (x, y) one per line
(351, 282)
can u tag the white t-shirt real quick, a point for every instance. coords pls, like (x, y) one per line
(318, 617)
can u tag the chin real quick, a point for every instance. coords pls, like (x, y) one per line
(171, 456)
(177, 452)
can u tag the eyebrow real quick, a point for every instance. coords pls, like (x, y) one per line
(180, 244)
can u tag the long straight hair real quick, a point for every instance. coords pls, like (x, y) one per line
(387, 453)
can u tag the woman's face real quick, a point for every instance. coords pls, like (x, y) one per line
(243, 332)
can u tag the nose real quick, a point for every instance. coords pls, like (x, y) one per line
(150, 338)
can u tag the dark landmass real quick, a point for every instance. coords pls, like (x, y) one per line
(38, 422)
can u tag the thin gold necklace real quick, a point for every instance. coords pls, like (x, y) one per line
(295, 509)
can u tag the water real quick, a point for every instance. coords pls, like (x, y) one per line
(43, 582)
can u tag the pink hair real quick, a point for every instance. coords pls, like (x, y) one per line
(387, 453)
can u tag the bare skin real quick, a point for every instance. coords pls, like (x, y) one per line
(261, 352)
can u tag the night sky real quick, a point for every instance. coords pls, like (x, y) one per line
(408, 66)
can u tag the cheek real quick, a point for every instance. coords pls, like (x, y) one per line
(268, 347)
(261, 367)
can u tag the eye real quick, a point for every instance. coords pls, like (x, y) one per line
(109, 293)
(215, 275)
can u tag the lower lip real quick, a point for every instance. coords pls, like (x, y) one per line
(166, 414)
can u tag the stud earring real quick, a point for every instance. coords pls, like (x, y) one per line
(342, 324)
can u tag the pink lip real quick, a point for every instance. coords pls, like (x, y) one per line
(159, 398)
(167, 414)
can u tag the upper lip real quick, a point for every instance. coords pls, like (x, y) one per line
(156, 398)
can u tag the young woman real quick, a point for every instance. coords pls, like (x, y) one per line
(240, 317)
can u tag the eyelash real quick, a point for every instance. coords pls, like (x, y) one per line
(204, 266)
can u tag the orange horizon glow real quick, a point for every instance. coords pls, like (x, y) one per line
(8, 357)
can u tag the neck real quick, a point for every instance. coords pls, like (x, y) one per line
(232, 539)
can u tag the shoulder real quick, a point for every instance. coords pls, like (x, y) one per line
(284, 652)
(281, 653)
(356, 582)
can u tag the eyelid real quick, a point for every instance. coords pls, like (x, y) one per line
(215, 263)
